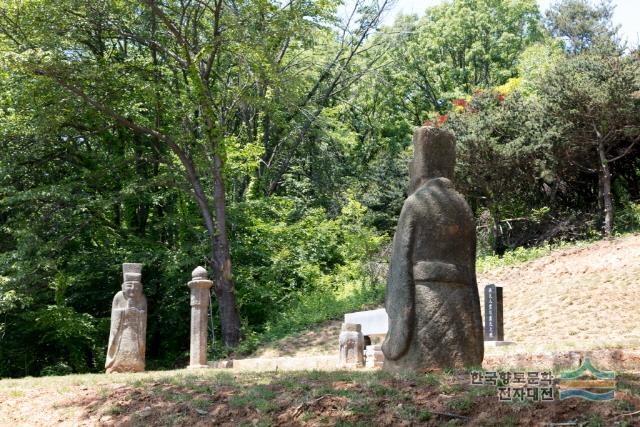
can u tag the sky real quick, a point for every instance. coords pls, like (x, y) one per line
(626, 14)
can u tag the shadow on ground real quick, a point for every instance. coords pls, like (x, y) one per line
(338, 398)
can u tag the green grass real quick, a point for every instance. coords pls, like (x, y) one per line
(521, 254)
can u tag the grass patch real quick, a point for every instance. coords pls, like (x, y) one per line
(463, 405)
(517, 256)
(424, 416)
(201, 403)
(16, 393)
(259, 397)
(628, 383)
(623, 405)
(320, 398)
(112, 410)
(595, 420)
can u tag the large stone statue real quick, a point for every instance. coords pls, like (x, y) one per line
(127, 338)
(432, 296)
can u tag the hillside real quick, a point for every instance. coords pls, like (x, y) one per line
(582, 297)
(575, 298)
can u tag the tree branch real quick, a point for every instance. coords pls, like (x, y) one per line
(184, 157)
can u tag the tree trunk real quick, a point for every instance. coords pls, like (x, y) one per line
(224, 287)
(496, 232)
(605, 177)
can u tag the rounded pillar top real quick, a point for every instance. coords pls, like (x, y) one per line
(200, 280)
(199, 273)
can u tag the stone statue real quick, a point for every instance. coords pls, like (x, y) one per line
(127, 338)
(432, 296)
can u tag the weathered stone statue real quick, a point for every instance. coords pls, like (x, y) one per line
(432, 296)
(127, 338)
(351, 346)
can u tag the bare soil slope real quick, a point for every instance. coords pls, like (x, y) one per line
(579, 298)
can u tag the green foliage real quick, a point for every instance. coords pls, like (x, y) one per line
(628, 218)
(515, 256)
(580, 24)
(283, 251)
(298, 267)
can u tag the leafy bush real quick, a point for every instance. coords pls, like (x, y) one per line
(59, 368)
(295, 268)
(628, 218)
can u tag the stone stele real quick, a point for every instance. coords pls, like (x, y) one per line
(127, 338)
(432, 297)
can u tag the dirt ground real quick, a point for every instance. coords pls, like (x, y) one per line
(217, 398)
(584, 297)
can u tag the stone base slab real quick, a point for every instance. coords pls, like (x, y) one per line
(497, 343)
(198, 367)
(220, 364)
(618, 360)
(327, 363)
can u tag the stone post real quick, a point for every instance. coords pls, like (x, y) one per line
(351, 346)
(199, 286)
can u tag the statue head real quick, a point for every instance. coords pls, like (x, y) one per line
(132, 289)
(132, 286)
(434, 156)
(132, 278)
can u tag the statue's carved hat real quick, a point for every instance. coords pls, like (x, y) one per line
(434, 155)
(132, 272)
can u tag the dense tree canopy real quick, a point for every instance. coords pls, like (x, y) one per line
(269, 141)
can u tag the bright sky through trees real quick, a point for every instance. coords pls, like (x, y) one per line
(627, 14)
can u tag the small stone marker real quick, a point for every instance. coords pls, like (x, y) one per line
(493, 321)
(374, 358)
(127, 337)
(351, 346)
(199, 286)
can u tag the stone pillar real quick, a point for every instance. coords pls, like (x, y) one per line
(199, 286)
(351, 346)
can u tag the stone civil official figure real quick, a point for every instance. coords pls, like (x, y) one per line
(127, 337)
(432, 297)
